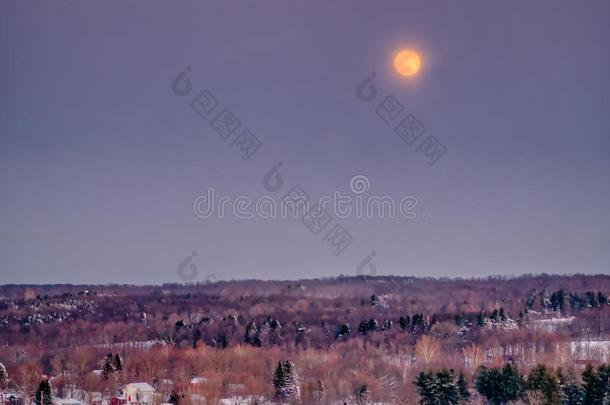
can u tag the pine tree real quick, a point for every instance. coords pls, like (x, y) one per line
(363, 327)
(417, 323)
(286, 381)
(363, 395)
(108, 367)
(343, 331)
(591, 299)
(461, 320)
(118, 364)
(278, 376)
(463, 388)
(436, 388)
(572, 394)
(500, 385)
(481, 319)
(558, 301)
(402, 322)
(387, 325)
(448, 388)
(514, 385)
(593, 386)
(252, 335)
(43, 394)
(174, 398)
(545, 381)
(427, 388)
(603, 373)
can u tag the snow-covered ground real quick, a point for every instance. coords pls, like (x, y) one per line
(551, 324)
(142, 344)
(244, 401)
(591, 350)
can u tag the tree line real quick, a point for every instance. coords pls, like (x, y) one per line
(503, 385)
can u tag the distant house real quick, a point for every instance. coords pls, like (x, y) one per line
(140, 393)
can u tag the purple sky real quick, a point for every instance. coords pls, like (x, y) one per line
(100, 162)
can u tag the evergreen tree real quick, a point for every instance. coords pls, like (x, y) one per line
(418, 324)
(591, 299)
(481, 319)
(343, 331)
(558, 300)
(603, 373)
(363, 327)
(513, 381)
(461, 320)
(545, 381)
(363, 395)
(427, 388)
(252, 335)
(592, 386)
(108, 367)
(500, 386)
(449, 392)
(435, 388)
(404, 322)
(174, 398)
(278, 376)
(576, 302)
(43, 394)
(286, 381)
(463, 388)
(118, 364)
(572, 394)
(387, 325)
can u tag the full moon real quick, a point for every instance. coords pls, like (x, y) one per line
(407, 63)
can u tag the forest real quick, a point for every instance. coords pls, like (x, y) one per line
(535, 339)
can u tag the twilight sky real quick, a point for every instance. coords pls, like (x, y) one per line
(100, 162)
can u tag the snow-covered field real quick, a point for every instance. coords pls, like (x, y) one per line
(552, 324)
(143, 344)
(591, 349)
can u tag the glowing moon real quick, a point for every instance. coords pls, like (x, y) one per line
(407, 63)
